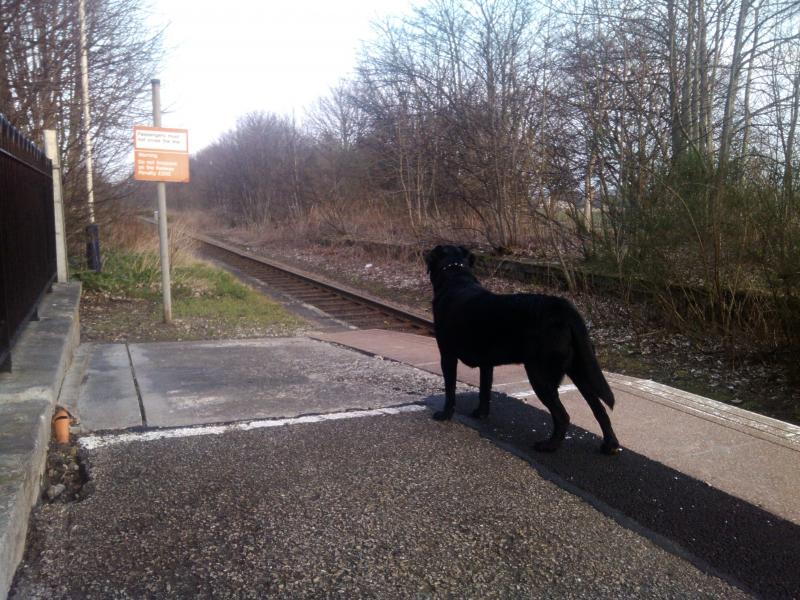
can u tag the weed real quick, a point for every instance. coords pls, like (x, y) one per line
(126, 274)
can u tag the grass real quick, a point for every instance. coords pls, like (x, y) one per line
(124, 302)
(128, 274)
(203, 291)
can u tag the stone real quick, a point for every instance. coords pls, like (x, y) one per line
(54, 491)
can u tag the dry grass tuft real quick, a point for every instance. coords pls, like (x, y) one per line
(132, 234)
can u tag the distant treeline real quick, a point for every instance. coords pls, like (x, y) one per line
(658, 138)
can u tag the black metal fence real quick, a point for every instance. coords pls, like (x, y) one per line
(27, 234)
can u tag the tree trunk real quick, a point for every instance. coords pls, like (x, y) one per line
(788, 169)
(672, 59)
(704, 118)
(688, 80)
(750, 62)
(726, 136)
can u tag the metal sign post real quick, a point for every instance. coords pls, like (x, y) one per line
(163, 237)
(161, 154)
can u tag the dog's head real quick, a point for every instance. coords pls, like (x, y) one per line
(444, 258)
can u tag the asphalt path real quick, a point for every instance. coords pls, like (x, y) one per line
(381, 506)
(715, 530)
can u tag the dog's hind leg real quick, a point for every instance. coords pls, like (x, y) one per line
(545, 384)
(610, 444)
(449, 371)
(485, 393)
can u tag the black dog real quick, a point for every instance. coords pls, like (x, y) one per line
(544, 333)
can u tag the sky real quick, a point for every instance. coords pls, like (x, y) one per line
(226, 58)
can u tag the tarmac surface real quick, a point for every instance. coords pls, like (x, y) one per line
(383, 506)
(331, 480)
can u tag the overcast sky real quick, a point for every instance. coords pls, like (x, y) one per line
(229, 57)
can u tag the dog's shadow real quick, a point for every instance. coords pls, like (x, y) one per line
(717, 531)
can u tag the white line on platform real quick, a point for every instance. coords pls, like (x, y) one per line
(97, 441)
(527, 393)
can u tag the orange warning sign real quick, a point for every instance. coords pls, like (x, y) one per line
(160, 154)
(161, 166)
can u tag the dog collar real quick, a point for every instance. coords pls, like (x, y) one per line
(453, 264)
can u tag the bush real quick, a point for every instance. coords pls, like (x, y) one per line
(718, 251)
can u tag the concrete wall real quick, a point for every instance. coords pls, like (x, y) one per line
(28, 394)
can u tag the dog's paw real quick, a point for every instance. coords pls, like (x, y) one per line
(610, 448)
(479, 414)
(442, 415)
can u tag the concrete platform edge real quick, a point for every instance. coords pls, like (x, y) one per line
(744, 421)
(28, 394)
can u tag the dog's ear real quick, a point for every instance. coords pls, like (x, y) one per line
(427, 256)
(430, 256)
(469, 257)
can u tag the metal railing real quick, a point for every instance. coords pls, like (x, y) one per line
(27, 234)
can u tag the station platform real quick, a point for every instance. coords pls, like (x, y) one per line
(712, 483)
(749, 456)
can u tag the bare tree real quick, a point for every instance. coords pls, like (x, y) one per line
(40, 83)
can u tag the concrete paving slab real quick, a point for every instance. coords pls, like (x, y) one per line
(727, 415)
(73, 379)
(216, 382)
(107, 397)
(402, 347)
(761, 472)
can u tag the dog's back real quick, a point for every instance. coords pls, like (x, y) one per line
(487, 328)
(484, 328)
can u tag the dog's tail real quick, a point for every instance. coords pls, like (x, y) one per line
(586, 363)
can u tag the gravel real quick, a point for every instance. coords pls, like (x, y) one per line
(378, 507)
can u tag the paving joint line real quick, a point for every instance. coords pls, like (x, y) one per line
(136, 385)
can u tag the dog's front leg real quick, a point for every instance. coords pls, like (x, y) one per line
(485, 393)
(449, 368)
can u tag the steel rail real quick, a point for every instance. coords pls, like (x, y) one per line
(368, 305)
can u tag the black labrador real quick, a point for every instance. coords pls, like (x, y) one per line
(544, 333)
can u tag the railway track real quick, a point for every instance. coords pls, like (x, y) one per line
(352, 308)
